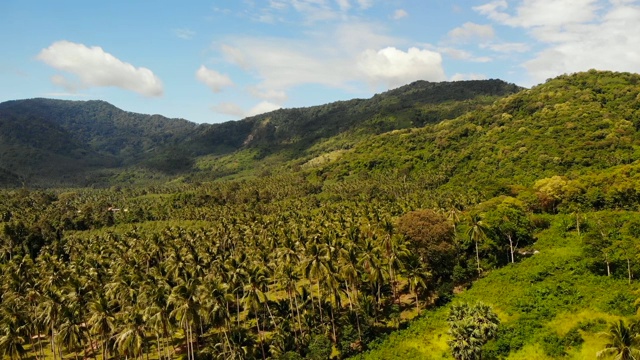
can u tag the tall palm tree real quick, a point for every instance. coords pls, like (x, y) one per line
(186, 301)
(130, 339)
(102, 319)
(417, 276)
(316, 266)
(477, 232)
(623, 343)
(12, 336)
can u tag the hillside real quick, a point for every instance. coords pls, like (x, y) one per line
(529, 205)
(46, 142)
(571, 125)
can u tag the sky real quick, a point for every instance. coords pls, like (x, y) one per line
(219, 60)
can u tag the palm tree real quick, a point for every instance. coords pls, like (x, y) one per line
(130, 340)
(186, 301)
(417, 275)
(102, 319)
(622, 342)
(471, 326)
(477, 232)
(12, 337)
(11, 342)
(317, 265)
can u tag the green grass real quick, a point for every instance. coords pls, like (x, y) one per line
(546, 295)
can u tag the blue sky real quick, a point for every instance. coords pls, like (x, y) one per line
(213, 61)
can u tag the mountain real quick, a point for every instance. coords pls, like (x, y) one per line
(48, 142)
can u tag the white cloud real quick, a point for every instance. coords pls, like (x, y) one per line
(278, 96)
(576, 35)
(229, 108)
(213, 79)
(396, 67)
(354, 52)
(399, 14)
(277, 5)
(507, 47)
(365, 4)
(236, 110)
(534, 13)
(184, 34)
(315, 10)
(470, 76)
(263, 107)
(470, 31)
(344, 5)
(95, 67)
(459, 54)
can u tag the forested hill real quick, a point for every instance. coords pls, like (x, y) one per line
(54, 142)
(572, 125)
(46, 141)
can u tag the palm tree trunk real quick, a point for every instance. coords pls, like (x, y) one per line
(478, 257)
(158, 347)
(186, 337)
(93, 350)
(319, 300)
(237, 310)
(295, 333)
(53, 342)
(260, 335)
(333, 325)
(511, 247)
(295, 298)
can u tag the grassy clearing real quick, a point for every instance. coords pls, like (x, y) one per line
(539, 300)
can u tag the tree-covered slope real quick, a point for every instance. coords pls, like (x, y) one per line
(48, 142)
(571, 125)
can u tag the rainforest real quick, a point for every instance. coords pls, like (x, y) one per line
(461, 220)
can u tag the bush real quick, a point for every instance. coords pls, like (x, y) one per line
(319, 348)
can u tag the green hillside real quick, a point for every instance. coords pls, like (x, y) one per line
(348, 242)
(48, 143)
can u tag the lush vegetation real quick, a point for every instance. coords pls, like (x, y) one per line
(510, 231)
(47, 143)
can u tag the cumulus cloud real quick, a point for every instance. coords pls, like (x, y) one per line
(229, 108)
(460, 54)
(92, 66)
(263, 107)
(470, 31)
(533, 13)
(351, 53)
(236, 110)
(576, 35)
(278, 96)
(399, 14)
(213, 79)
(396, 67)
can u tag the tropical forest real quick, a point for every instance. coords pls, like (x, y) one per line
(458, 220)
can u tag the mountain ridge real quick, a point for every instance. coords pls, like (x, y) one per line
(59, 142)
